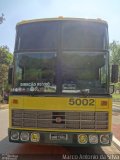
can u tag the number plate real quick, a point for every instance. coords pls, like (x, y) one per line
(54, 136)
(82, 101)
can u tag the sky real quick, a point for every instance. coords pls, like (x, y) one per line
(18, 10)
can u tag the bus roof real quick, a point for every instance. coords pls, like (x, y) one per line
(98, 20)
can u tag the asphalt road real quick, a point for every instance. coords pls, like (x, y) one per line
(45, 152)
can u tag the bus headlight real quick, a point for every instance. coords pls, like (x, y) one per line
(104, 139)
(93, 139)
(82, 138)
(14, 135)
(35, 137)
(24, 136)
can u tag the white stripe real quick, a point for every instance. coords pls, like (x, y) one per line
(1, 110)
(117, 142)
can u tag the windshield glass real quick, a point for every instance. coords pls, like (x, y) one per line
(39, 36)
(35, 72)
(84, 73)
(70, 34)
(84, 36)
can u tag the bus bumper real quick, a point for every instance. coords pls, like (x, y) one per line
(60, 138)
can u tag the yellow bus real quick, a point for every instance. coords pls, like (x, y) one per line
(60, 83)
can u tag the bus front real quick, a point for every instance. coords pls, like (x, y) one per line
(60, 85)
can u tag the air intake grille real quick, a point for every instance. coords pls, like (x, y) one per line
(60, 120)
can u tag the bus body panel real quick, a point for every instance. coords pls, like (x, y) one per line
(60, 85)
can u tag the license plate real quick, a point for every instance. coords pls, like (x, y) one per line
(57, 136)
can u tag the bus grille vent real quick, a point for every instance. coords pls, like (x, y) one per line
(83, 120)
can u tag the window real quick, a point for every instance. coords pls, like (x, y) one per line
(37, 36)
(84, 72)
(36, 72)
(84, 35)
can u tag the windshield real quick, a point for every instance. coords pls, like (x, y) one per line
(66, 56)
(76, 72)
(40, 36)
(70, 35)
(84, 36)
(84, 73)
(35, 72)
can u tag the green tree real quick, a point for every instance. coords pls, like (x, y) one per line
(6, 59)
(115, 59)
(115, 52)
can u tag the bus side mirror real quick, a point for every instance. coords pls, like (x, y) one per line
(10, 73)
(114, 74)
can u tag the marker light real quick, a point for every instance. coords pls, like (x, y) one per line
(35, 137)
(104, 103)
(15, 101)
(82, 138)
(24, 136)
(104, 139)
(14, 135)
(93, 139)
(61, 17)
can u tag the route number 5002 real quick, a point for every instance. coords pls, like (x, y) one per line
(81, 102)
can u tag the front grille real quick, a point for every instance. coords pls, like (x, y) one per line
(67, 120)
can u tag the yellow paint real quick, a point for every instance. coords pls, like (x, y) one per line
(18, 98)
(62, 130)
(59, 104)
(35, 137)
(59, 19)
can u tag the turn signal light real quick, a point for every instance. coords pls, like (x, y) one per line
(15, 101)
(61, 17)
(82, 138)
(35, 137)
(104, 103)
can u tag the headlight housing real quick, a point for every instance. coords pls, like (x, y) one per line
(93, 139)
(104, 139)
(14, 135)
(82, 138)
(24, 136)
(35, 137)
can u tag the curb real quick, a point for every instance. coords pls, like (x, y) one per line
(4, 106)
(116, 143)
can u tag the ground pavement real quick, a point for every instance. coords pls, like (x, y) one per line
(116, 124)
